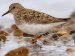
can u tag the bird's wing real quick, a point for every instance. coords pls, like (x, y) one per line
(39, 17)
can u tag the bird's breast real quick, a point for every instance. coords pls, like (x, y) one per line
(36, 28)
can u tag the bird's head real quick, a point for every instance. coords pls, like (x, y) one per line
(13, 8)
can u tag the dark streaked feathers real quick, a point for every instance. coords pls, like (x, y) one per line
(32, 16)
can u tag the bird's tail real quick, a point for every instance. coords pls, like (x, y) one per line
(66, 19)
(72, 16)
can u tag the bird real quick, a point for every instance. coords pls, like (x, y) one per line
(31, 21)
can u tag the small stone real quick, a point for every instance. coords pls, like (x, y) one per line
(3, 38)
(14, 27)
(73, 37)
(55, 36)
(3, 33)
(69, 50)
(16, 31)
(45, 42)
(21, 51)
(62, 32)
(73, 31)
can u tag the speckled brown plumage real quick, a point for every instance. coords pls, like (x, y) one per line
(32, 16)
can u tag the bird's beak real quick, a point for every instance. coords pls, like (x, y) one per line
(6, 13)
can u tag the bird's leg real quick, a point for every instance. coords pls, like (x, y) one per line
(37, 37)
(34, 42)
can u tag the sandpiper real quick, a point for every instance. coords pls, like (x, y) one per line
(31, 21)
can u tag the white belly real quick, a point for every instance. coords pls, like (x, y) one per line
(36, 28)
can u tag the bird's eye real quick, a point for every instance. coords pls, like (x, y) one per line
(13, 7)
